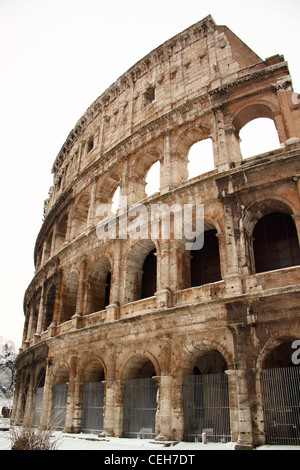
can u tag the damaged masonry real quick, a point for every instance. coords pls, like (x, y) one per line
(149, 338)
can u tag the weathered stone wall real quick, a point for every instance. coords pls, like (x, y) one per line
(204, 83)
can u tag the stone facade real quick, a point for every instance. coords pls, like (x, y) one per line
(86, 319)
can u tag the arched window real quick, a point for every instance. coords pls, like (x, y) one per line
(275, 243)
(116, 200)
(258, 136)
(149, 275)
(201, 158)
(205, 263)
(153, 179)
(141, 271)
(69, 297)
(99, 282)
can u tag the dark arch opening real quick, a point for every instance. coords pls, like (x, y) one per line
(276, 244)
(205, 263)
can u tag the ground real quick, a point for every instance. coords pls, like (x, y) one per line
(108, 445)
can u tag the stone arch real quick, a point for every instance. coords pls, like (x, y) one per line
(69, 297)
(93, 369)
(61, 233)
(264, 206)
(192, 135)
(134, 269)
(197, 351)
(98, 285)
(249, 112)
(141, 364)
(138, 172)
(107, 186)
(265, 354)
(61, 374)
(81, 211)
(49, 305)
(254, 216)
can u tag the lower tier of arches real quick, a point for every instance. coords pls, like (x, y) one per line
(167, 387)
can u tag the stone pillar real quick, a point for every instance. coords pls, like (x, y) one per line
(91, 214)
(242, 415)
(164, 408)
(45, 421)
(283, 91)
(29, 411)
(40, 314)
(231, 273)
(222, 160)
(76, 319)
(109, 410)
(71, 395)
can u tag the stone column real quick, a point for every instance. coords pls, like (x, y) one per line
(76, 319)
(40, 314)
(283, 91)
(164, 408)
(45, 421)
(109, 410)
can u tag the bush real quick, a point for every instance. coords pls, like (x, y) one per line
(23, 438)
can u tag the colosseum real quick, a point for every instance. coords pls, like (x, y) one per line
(157, 332)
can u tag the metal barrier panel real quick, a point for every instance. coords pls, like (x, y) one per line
(281, 405)
(92, 407)
(59, 406)
(206, 408)
(38, 406)
(140, 408)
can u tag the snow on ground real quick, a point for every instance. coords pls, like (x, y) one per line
(91, 442)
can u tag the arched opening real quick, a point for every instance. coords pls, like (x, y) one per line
(93, 398)
(140, 402)
(69, 298)
(258, 136)
(61, 232)
(116, 200)
(39, 392)
(206, 399)
(201, 158)
(99, 282)
(275, 243)
(280, 386)
(60, 398)
(141, 276)
(49, 307)
(149, 275)
(205, 263)
(81, 215)
(153, 179)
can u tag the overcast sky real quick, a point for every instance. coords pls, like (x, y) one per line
(56, 58)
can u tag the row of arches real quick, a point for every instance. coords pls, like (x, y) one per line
(149, 176)
(274, 245)
(203, 388)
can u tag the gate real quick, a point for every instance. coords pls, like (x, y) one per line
(206, 408)
(59, 406)
(140, 408)
(92, 407)
(38, 406)
(281, 405)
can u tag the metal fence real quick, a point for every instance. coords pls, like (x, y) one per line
(140, 408)
(206, 408)
(59, 406)
(38, 406)
(281, 405)
(92, 407)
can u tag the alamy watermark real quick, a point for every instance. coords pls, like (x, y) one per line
(155, 221)
(296, 354)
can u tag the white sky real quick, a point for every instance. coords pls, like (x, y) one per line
(56, 58)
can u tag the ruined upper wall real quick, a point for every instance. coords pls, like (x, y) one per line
(197, 60)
